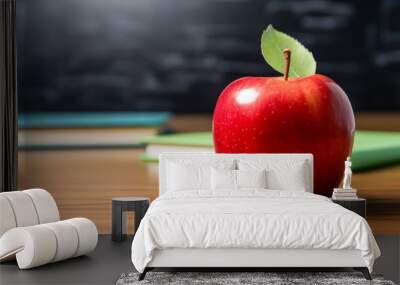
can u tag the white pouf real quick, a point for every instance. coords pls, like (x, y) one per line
(31, 232)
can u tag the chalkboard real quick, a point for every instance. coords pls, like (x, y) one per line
(177, 55)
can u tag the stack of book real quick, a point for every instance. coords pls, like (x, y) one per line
(344, 194)
(88, 130)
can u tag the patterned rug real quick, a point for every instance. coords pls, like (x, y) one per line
(243, 278)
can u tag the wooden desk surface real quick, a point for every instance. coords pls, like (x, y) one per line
(84, 181)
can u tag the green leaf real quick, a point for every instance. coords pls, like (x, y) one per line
(273, 42)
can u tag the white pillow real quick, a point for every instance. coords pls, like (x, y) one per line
(227, 179)
(187, 177)
(281, 174)
(223, 179)
(251, 178)
(187, 174)
(293, 179)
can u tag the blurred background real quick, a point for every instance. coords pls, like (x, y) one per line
(178, 55)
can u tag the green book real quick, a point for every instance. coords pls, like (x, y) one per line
(371, 148)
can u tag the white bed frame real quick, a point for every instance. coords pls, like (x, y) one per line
(250, 258)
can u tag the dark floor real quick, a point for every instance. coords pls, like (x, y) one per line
(111, 259)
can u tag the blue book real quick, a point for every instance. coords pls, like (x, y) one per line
(87, 130)
(91, 119)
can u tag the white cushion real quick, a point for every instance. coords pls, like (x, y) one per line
(46, 207)
(27, 208)
(293, 178)
(33, 246)
(189, 177)
(67, 240)
(223, 179)
(231, 180)
(7, 218)
(185, 174)
(41, 244)
(23, 208)
(251, 178)
(281, 174)
(87, 233)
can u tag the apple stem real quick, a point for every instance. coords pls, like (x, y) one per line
(286, 54)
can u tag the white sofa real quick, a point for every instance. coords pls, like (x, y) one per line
(31, 230)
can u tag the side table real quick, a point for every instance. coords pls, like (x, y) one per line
(358, 205)
(121, 205)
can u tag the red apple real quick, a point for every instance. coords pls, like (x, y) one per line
(288, 115)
